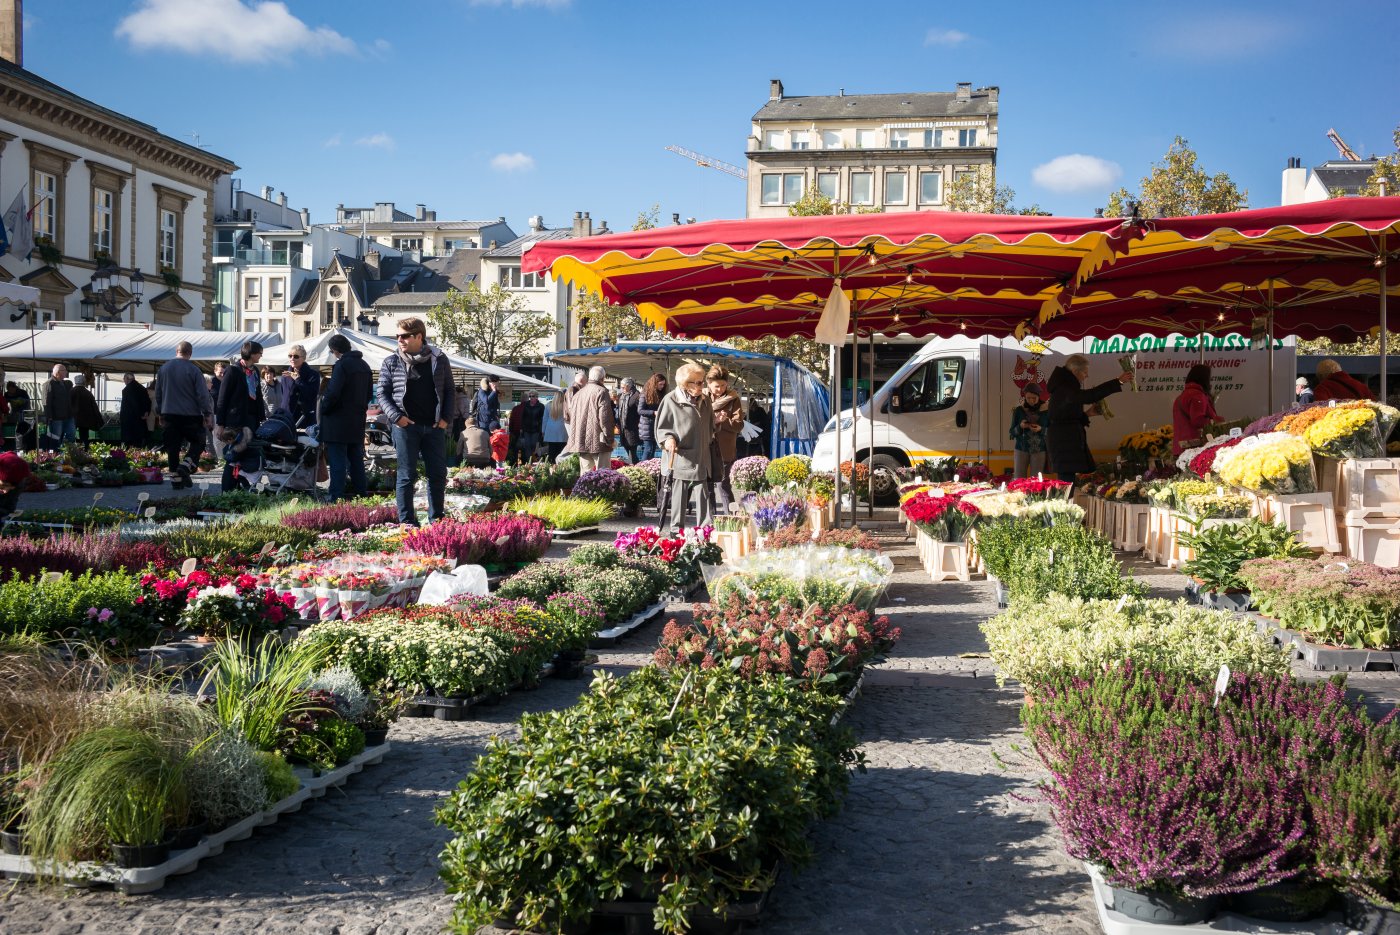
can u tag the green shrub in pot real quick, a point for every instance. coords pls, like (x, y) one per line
(1033, 643)
(1221, 550)
(1033, 560)
(684, 788)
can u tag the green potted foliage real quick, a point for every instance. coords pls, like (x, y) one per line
(1220, 551)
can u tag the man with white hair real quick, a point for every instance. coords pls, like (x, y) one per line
(1303, 391)
(58, 408)
(591, 422)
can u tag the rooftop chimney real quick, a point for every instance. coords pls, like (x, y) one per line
(964, 91)
(583, 224)
(282, 199)
(267, 193)
(12, 31)
(306, 218)
(421, 212)
(675, 217)
(775, 90)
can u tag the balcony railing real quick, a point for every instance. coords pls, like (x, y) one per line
(259, 257)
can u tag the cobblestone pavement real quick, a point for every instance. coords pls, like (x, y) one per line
(936, 836)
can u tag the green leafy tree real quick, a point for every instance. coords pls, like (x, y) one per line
(1178, 186)
(977, 192)
(814, 204)
(1388, 168)
(494, 326)
(1365, 345)
(648, 219)
(805, 351)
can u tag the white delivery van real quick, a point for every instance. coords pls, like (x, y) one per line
(955, 396)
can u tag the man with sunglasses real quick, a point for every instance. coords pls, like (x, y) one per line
(416, 394)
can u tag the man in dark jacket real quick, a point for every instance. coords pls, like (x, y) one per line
(416, 394)
(58, 408)
(240, 407)
(526, 428)
(135, 406)
(1067, 440)
(342, 422)
(186, 413)
(87, 415)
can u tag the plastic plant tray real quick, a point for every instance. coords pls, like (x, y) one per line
(612, 634)
(1115, 923)
(574, 533)
(137, 880)
(1328, 658)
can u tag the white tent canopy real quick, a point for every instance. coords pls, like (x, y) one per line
(112, 350)
(375, 349)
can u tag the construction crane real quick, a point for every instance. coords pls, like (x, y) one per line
(1342, 147)
(708, 162)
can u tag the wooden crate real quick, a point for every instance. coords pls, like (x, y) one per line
(1372, 537)
(1132, 526)
(1313, 516)
(1369, 484)
(944, 561)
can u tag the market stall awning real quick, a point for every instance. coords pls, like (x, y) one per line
(17, 293)
(376, 348)
(757, 263)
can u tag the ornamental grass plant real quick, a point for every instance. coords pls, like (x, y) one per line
(683, 788)
(1034, 642)
(1170, 792)
(566, 513)
(259, 688)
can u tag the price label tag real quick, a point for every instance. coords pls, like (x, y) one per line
(150, 512)
(295, 501)
(1331, 404)
(142, 497)
(1049, 556)
(189, 565)
(1121, 601)
(1236, 432)
(956, 478)
(53, 576)
(1219, 491)
(95, 497)
(1039, 476)
(1222, 682)
(1138, 478)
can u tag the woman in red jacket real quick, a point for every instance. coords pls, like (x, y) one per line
(1193, 410)
(1335, 383)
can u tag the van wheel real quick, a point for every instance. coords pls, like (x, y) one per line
(885, 471)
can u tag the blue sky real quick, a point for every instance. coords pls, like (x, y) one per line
(481, 108)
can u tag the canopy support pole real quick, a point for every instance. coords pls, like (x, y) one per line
(870, 475)
(836, 396)
(1385, 369)
(855, 415)
(1269, 336)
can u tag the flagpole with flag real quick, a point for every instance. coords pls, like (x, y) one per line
(17, 235)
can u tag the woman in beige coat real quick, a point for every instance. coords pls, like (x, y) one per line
(729, 419)
(685, 427)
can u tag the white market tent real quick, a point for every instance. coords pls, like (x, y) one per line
(17, 293)
(112, 350)
(376, 348)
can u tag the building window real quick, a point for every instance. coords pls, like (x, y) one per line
(831, 139)
(169, 239)
(868, 139)
(334, 292)
(862, 188)
(896, 188)
(103, 203)
(829, 184)
(306, 329)
(252, 325)
(771, 189)
(408, 243)
(45, 205)
(801, 139)
(773, 139)
(967, 137)
(252, 289)
(275, 325)
(793, 185)
(928, 138)
(512, 278)
(899, 139)
(279, 289)
(930, 188)
(961, 174)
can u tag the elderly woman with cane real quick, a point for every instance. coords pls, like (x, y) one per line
(685, 427)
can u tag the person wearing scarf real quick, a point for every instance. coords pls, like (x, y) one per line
(416, 395)
(240, 405)
(685, 426)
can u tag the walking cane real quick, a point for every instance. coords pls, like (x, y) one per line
(663, 494)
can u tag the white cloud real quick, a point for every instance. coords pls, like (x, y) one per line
(377, 141)
(333, 141)
(1076, 173)
(381, 48)
(1225, 34)
(512, 162)
(263, 31)
(945, 37)
(526, 4)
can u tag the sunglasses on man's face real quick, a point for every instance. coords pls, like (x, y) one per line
(294, 356)
(405, 335)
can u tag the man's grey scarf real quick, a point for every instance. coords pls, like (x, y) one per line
(422, 357)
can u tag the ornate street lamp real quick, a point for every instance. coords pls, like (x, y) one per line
(103, 293)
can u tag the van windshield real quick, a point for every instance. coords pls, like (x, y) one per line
(935, 385)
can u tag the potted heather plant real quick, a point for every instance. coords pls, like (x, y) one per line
(604, 484)
(748, 475)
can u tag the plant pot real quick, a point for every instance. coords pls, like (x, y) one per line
(140, 855)
(376, 736)
(1370, 919)
(187, 837)
(1161, 908)
(1289, 901)
(12, 840)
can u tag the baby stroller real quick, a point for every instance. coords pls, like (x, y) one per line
(289, 457)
